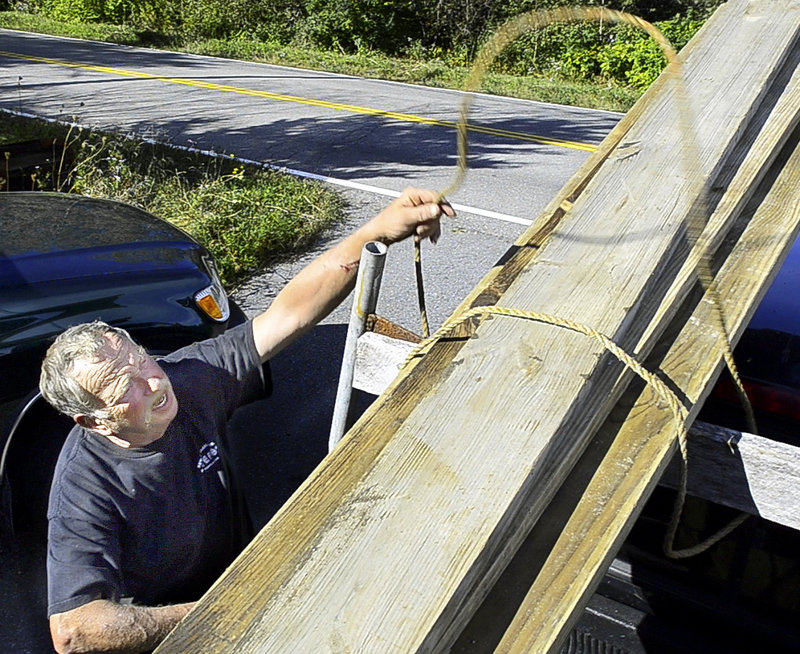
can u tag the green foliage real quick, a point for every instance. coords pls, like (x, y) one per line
(37, 22)
(358, 25)
(247, 219)
(147, 14)
(592, 50)
(83, 11)
(636, 59)
(218, 19)
(432, 67)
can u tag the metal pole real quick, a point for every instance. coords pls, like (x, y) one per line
(368, 283)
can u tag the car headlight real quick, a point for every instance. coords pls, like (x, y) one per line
(212, 300)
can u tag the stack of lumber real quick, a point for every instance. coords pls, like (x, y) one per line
(397, 538)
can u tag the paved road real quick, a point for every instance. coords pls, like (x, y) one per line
(372, 138)
(379, 135)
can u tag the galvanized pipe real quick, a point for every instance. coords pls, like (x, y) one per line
(368, 284)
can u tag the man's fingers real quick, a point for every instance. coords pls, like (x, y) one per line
(431, 229)
(416, 212)
(445, 207)
(411, 197)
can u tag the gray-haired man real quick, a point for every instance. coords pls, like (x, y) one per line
(143, 514)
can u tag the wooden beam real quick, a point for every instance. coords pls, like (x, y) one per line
(645, 442)
(396, 537)
(378, 361)
(744, 471)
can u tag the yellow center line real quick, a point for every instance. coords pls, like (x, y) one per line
(393, 115)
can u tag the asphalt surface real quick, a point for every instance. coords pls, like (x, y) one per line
(356, 132)
(370, 139)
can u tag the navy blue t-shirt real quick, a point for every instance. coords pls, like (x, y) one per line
(155, 524)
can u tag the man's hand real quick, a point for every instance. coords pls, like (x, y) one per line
(105, 626)
(327, 280)
(415, 212)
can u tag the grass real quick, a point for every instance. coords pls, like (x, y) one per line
(246, 216)
(436, 72)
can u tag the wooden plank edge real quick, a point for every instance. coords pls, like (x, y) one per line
(639, 455)
(780, 118)
(743, 471)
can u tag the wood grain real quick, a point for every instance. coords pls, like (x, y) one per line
(744, 471)
(646, 441)
(395, 538)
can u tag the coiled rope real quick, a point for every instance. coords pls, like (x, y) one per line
(695, 224)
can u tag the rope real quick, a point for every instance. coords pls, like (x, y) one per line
(679, 412)
(423, 312)
(695, 225)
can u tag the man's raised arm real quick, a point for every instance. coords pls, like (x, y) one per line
(319, 288)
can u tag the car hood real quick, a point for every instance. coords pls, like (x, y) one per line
(66, 260)
(39, 223)
(60, 246)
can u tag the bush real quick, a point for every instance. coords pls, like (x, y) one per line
(636, 59)
(570, 50)
(355, 25)
(592, 50)
(218, 19)
(157, 15)
(245, 220)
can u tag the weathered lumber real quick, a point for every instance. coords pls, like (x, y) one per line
(744, 471)
(396, 537)
(569, 549)
(378, 361)
(646, 441)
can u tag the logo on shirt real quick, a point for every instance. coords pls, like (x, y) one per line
(209, 455)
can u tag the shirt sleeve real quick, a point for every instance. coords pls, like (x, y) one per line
(235, 352)
(81, 564)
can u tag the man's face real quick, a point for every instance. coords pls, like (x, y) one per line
(133, 388)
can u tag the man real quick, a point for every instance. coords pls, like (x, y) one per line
(143, 514)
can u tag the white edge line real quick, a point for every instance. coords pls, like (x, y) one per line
(388, 192)
(493, 214)
(290, 171)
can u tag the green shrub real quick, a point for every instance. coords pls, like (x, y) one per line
(79, 11)
(358, 25)
(248, 219)
(636, 59)
(591, 50)
(159, 15)
(217, 19)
